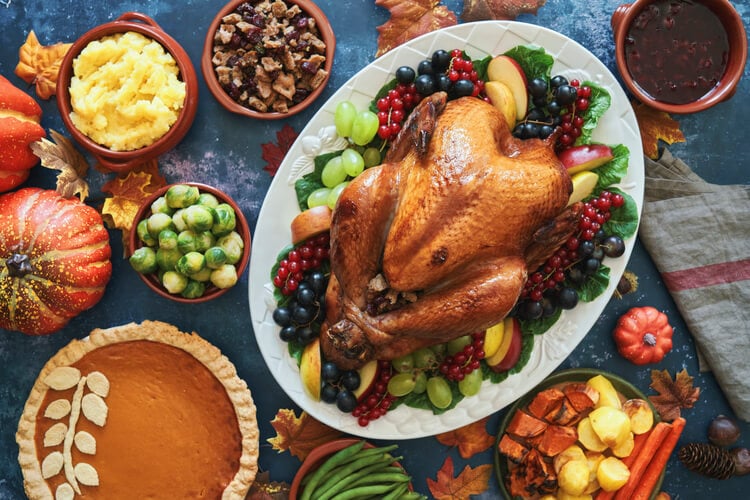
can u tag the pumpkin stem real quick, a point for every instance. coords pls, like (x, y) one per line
(649, 339)
(18, 265)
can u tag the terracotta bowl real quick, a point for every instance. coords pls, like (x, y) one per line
(212, 292)
(622, 20)
(122, 161)
(316, 458)
(209, 75)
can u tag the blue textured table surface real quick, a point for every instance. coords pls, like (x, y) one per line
(224, 150)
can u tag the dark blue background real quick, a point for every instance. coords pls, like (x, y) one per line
(225, 150)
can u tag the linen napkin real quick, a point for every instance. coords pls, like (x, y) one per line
(698, 235)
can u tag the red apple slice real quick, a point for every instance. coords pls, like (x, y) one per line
(512, 329)
(368, 376)
(309, 369)
(502, 98)
(506, 70)
(583, 185)
(311, 222)
(585, 157)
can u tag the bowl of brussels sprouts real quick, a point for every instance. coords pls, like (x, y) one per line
(190, 242)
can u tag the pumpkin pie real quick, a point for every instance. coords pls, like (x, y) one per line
(138, 411)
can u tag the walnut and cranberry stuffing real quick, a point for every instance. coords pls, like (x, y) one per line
(268, 55)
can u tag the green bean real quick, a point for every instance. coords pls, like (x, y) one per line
(413, 495)
(351, 468)
(336, 459)
(365, 452)
(351, 478)
(370, 489)
(397, 493)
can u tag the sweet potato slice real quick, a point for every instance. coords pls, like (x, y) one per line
(512, 449)
(545, 401)
(581, 395)
(556, 439)
(525, 426)
(563, 414)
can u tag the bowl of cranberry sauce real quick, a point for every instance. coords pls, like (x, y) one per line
(680, 56)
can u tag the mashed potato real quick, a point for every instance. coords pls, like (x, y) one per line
(125, 92)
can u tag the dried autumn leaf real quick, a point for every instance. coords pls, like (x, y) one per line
(655, 125)
(470, 439)
(299, 435)
(40, 64)
(673, 394)
(274, 153)
(128, 194)
(63, 156)
(265, 489)
(469, 482)
(480, 10)
(409, 19)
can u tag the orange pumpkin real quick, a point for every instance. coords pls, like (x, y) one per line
(643, 335)
(20, 115)
(54, 260)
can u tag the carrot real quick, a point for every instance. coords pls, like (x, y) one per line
(640, 463)
(659, 461)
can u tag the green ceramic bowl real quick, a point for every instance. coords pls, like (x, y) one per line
(573, 375)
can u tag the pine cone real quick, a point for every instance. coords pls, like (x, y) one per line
(707, 459)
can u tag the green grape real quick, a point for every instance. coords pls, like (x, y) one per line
(365, 127)
(457, 345)
(333, 196)
(439, 349)
(471, 383)
(403, 364)
(318, 197)
(353, 162)
(401, 384)
(343, 118)
(333, 172)
(420, 383)
(424, 358)
(372, 157)
(439, 392)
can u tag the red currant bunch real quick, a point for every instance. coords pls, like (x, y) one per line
(307, 256)
(456, 366)
(376, 401)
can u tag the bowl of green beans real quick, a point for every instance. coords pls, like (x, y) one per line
(190, 242)
(350, 469)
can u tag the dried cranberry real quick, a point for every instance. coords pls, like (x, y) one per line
(259, 21)
(309, 67)
(302, 23)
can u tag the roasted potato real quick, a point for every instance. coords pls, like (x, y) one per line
(588, 438)
(612, 425)
(612, 474)
(574, 476)
(640, 414)
(625, 448)
(570, 453)
(608, 395)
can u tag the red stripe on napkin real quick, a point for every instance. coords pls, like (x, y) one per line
(714, 274)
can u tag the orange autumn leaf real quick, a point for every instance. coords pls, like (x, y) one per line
(409, 19)
(299, 435)
(471, 481)
(128, 194)
(470, 439)
(40, 64)
(673, 394)
(655, 125)
(480, 10)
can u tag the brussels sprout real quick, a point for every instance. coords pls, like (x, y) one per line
(203, 275)
(159, 205)
(233, 246)
(142, 231)
(204, 241)
(174, 282)
(191, 263)
(208, 200)
(187, 241)
(215, 257)
(167, 259)
(182, 195)
(143, 260)
(194, 289)
(178, 220)
(168, 239)
(158, 222)
(224, 277)
(198, 218)
(224, 220)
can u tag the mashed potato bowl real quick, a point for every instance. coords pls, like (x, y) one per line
(160, 121)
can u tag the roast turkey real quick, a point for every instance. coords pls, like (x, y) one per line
(437, 241)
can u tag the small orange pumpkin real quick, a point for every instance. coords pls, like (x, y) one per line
(20, 116)
(643, 335)
(54, 260)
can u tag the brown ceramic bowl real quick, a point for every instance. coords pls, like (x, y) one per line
(626, 14)
(209, 75)
(122, 161)
(211, 292)
(319, 455)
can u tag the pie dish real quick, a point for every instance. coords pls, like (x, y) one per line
(138, 411)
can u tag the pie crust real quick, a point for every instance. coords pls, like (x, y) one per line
(138, 411)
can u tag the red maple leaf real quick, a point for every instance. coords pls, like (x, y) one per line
(470, 439)
(409, 19)
(274, 153)
(468, 482)
(479, 10)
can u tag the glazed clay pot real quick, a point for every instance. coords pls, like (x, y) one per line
(122, 161)
(621, 22)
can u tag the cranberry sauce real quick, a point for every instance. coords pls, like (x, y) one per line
(676, 50)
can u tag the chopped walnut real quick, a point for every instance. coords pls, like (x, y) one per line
(268, 55)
